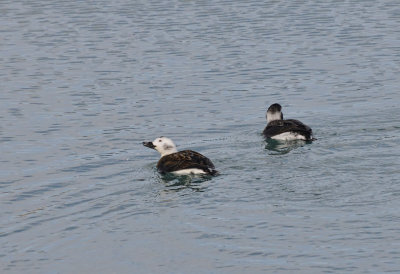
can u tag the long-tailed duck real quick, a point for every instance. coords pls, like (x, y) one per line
(182, 162)
(287, 130)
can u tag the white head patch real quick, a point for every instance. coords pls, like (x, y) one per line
(272, 116)
(164, 145)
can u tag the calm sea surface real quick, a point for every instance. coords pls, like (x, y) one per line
(83, 83)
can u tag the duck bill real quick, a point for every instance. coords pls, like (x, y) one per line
(149, 145)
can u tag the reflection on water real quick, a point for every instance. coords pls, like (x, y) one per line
(278, 147)
(180, 182)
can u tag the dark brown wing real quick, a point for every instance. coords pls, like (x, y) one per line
(183, 160)
(280, 126)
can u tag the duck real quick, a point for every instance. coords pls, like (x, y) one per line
(285, 130)
(185, 162)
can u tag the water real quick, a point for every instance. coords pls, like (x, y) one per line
(83, 83)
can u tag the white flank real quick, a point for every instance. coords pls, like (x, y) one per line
(288, 136)
(189, 171)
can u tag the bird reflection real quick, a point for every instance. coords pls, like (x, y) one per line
(177, 183)
(278, 147)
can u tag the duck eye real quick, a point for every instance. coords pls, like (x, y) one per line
(159, 140)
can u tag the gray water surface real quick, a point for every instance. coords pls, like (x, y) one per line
(83, 83)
